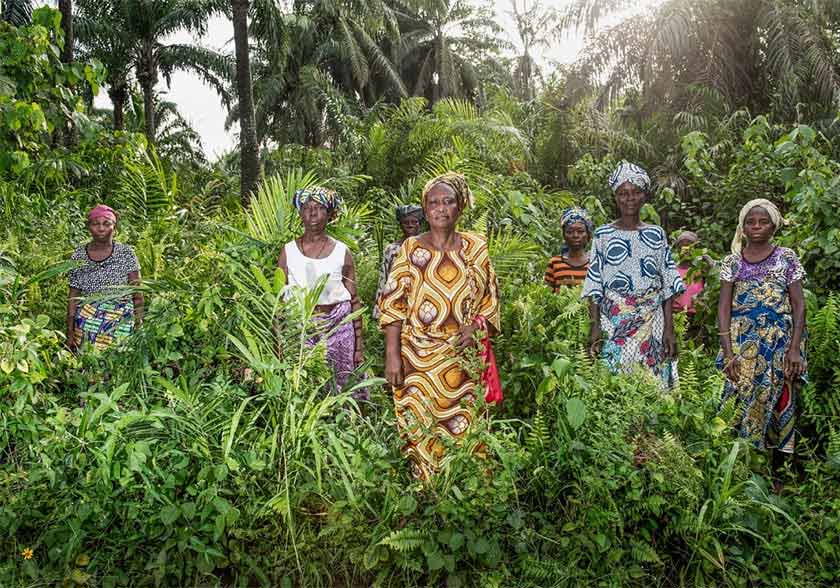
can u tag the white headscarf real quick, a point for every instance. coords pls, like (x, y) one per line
(770, 208)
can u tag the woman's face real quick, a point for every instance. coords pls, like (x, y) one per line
(630, 199)
(576, 235)
(102, 229)
(441, 207)
(314, 216)
(410, 225)
(758, 227)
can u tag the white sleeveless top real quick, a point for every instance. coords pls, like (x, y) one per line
(304, 272)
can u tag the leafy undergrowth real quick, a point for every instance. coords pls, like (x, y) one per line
(195, 456)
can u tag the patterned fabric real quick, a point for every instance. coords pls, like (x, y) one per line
(92, 277)
(102, 211)
(103, 323)
(433, 294)
(576, 214)
(388, 257)
(329, 199)
(761, 330)
(631, 274)
(405, 210)
(629, 172)
(772, 211)
(454, 180)
(341, 345)
(560, 273)
(685, 301)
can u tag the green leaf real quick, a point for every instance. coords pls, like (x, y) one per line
(575, 412)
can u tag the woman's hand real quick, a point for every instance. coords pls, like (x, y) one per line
(393, 369)
(71, 342)
(358, 356)
(732, 368)
(794, 363)
(465, 336)
(669, 343)
(595, 342)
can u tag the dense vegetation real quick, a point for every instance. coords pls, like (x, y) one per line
(195, 455)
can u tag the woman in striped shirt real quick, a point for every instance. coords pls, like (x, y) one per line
(569, 268)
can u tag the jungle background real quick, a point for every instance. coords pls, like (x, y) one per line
(195, 455)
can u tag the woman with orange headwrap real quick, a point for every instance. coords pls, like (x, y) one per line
(440, 289)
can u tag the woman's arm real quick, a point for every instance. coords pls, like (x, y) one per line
(137, 298)
(393, 354)
(669, 338)
(349, 279)
(794, 362)
(730, 363)
(72, 305)
(594, 328)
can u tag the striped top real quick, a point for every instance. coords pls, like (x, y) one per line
(561, 273)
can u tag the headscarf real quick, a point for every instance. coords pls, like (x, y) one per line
(771, 209)
(102, 211)
(329, 199)
(575, 214)
(405, 210)
(629, 172)
(454, 180)
(686, 236)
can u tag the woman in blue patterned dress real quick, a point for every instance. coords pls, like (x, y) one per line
(630, 283)
(761, 315)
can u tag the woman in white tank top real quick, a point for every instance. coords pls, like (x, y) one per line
(310, 257)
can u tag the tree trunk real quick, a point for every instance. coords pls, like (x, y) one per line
(147, 77)
(149, 108)
(118, 92)
(249, 149)
(66, 9)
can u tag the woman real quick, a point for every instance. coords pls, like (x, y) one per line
(311, 257)
(570, 267)
(104, 265)
(630, 283)
(685, 301)
(761, 316)
(441, 284)
(410, 217)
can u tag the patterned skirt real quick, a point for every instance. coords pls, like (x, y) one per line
(101, 324)
(341, 346)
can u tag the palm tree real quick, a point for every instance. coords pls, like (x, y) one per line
(317, 65)
(138, 27)
(249, 149)
(534, 27)
(763, 55)
(16, 12)
(441, 41)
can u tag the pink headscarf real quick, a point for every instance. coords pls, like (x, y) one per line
(102, 211)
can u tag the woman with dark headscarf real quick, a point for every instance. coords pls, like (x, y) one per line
(309, 258)
(440, 289)
(105, 265)
(570, 267)
(410, 218)
(630, 283)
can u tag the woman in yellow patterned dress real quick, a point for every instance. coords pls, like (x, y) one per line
(441, 281)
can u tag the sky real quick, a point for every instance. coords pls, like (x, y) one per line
(200, 105)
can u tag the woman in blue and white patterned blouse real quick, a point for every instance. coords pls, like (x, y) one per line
(631, 280)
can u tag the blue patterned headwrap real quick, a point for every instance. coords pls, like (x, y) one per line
(575, 214)
(408, 209)
(329, 199)
(629, 172)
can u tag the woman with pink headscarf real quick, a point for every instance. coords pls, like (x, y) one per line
(99, 312)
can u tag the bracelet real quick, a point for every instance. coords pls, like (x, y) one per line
(723, 332)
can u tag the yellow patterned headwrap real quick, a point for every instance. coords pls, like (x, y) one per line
(771, 209)
(454, 180)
